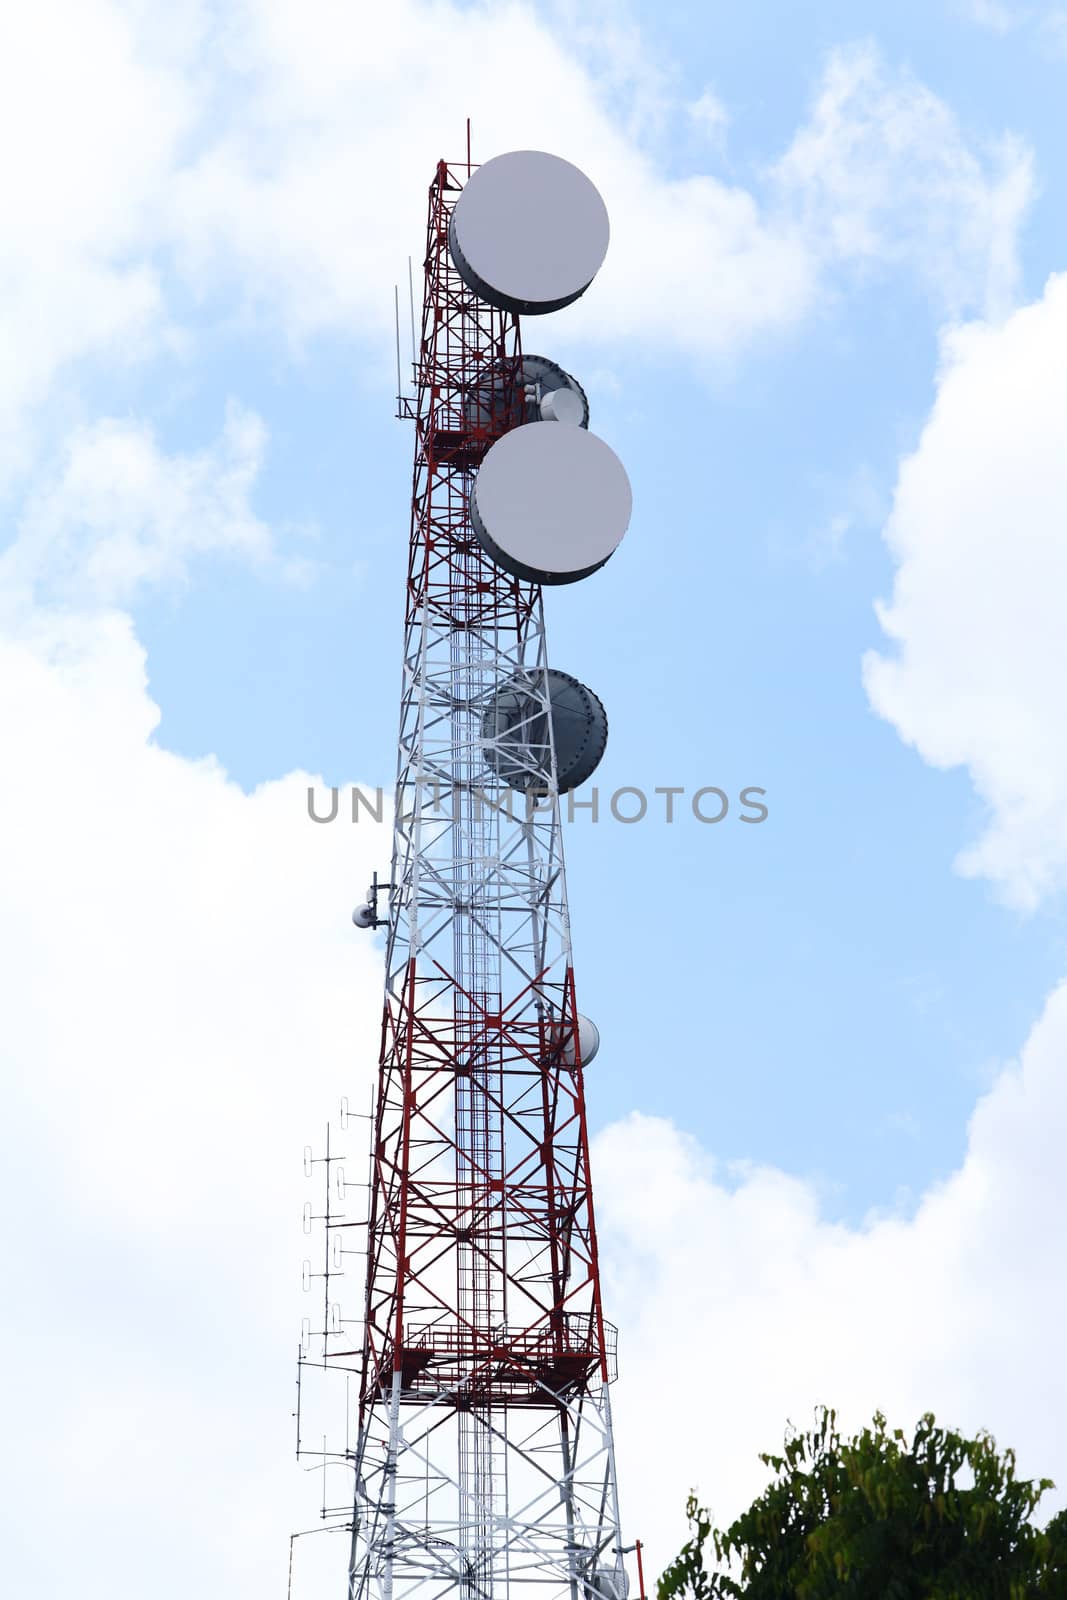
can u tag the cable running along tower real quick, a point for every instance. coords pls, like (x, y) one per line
(482, 1453)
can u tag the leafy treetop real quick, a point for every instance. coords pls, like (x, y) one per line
(874, 1518)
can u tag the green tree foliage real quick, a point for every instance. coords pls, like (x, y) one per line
(874, 1518)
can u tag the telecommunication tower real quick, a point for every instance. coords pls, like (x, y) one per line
(482, 1459)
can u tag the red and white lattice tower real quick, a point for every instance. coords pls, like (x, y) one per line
(483, 1457)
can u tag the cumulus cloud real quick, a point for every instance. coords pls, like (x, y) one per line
(264, 163)
(92, 125)
(708, 117)
(741, 1306)
(883, 173)
(121, 513)
(1044, 27)
(880, 171)
(339, 131)
(184, 1000)
(996, 15)
(976, 615)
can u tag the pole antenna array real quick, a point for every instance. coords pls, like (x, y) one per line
(482, 1458)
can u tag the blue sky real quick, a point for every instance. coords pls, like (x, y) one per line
(824, 348)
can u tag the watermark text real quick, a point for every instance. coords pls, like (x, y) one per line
(628, 804)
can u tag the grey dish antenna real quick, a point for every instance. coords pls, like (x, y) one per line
(550, 505)
(515, 732)
(529, 232)
(540, 392)
(588, 1042)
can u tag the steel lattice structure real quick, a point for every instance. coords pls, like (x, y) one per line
(483, 1459)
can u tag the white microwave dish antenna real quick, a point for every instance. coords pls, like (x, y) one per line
(529, 232)
(550, 505)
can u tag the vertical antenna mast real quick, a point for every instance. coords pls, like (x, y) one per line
(483, 1459)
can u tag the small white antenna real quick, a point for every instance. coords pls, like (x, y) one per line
(411, 305)
(396, 314)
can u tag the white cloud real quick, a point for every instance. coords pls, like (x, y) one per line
(709, 114)
(272, 160)
(977, 613)
(996, 15)
(740, 1306)
(184, 1000)
(120, 513)
(92, 127)
(327, 105)
(1045, 26)
(1054, 30)
(882, 173)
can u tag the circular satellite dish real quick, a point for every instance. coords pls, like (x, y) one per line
(562, 405)
(515, 732)
(486, 406)
(588, 1040)
(550, 505)
(529, 232)
(542, 377)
